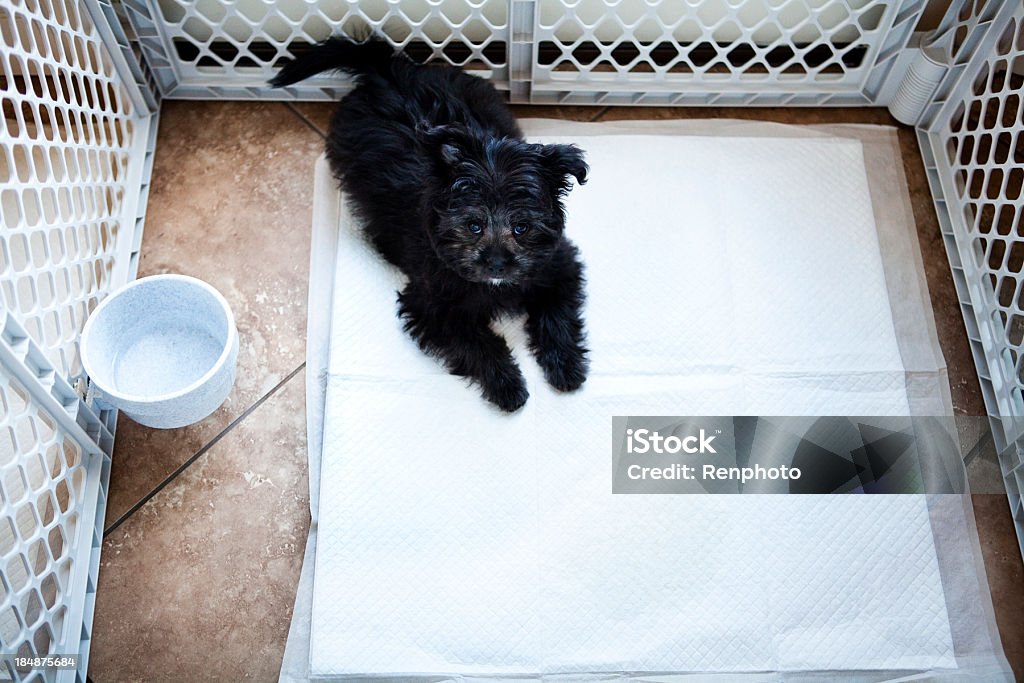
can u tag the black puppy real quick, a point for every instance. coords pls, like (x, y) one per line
(448, 191)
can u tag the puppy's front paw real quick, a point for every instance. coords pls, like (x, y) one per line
(506, 389)
(564, 370)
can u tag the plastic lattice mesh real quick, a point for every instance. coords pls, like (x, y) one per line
(629, 42)
(244, 42)
(548, 51)
(985, 151)
(41, 498)
(67, 137)
(963, 24)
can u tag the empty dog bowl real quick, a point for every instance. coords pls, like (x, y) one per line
(162, 349)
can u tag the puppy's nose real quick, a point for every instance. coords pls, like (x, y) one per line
(497, 264)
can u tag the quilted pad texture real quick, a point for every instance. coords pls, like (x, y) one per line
(725, 276)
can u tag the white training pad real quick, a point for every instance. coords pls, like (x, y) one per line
(725, 276)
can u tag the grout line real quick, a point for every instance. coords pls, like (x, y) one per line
(975, 451)
(198, 454)
(601, 112)
(291, 107)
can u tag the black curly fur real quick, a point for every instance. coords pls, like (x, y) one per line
(437, 169)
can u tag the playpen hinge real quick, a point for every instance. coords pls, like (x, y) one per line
(924, 69)
(26, 363)
(522, 19)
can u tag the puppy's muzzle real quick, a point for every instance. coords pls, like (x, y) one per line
(496, 264)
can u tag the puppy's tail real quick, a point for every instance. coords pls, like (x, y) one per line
(337, 53)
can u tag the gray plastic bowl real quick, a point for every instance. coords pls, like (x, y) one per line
(162, 349)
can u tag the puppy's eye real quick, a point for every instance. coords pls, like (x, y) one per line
(476, 228)
(520, 228)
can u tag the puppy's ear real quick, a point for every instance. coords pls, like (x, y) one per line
(443, 143)
(564, 161)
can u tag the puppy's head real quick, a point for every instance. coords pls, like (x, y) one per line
(497, 213)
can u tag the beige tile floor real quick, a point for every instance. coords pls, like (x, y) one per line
(206, 525)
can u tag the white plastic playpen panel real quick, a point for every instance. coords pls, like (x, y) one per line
(80, 84)
(544, 51)
(77, 134)
(55, 471)
(972, 137)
